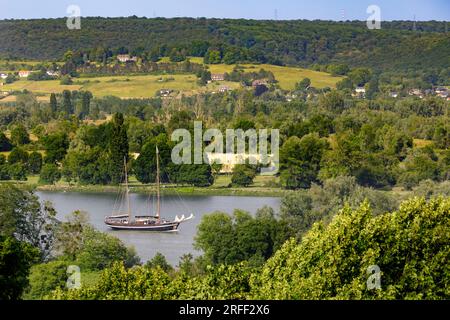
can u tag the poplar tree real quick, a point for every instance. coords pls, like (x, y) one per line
(118, 148)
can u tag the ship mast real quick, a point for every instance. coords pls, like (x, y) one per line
(127, 190)
(158, 195)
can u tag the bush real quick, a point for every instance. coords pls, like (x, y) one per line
(45, 278)
(66, 80)
(409, 246)
(243, 175)
(50, 174)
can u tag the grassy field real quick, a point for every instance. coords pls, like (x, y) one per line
(46, 87)
(145, 86)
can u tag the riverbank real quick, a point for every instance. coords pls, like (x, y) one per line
(168, 190)
(262, 187)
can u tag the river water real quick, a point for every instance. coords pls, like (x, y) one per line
(147, 244)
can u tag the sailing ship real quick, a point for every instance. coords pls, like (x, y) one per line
(145, 223)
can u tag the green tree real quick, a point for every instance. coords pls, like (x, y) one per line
(5, 144)
(333, 101)
(303, 85)
(46, 277)
(300, 161)
(19, 135)
(18, 155)
(159, 261)
(442, 137)
(100, 250)
(335, 259)
(24, 217)
(213, 57)
(243, 175)
(66, 80)
(53, 103)
(50, 174)
(85, 105)
(56, 146)
(360, 76)
(35, 162)
(118, 148)
(145, 165)
(67, 106)
(16, 258)
(18, 171)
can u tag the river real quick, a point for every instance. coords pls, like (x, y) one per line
(147, 244)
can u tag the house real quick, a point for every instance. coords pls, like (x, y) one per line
(224, 89)
(126, 58)
(256, 83)
(3, 75)
(165, 92)
(53, 73)
(393, 94)
(360, 92)
(415, 92)
(24, 73)
(218, 77)
(441, 92)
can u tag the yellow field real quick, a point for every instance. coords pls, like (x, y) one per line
(48, 86)
(287, 76)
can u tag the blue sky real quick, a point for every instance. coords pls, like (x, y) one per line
(253, 9)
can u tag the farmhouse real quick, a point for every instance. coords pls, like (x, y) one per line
(165, 92)
(126, 58)
(52, 73)
(441, 92)
(416, 92)
(360, 92)
(218, 77)
(257, 83)
(24, 73)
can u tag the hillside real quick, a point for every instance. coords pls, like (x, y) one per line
(145, 86)
(394, 47)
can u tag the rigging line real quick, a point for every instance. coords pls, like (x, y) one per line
(120, 196)
(176, 192)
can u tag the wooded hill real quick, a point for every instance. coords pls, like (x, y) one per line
(297, 42)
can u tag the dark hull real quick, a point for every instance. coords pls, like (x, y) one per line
(163, 227)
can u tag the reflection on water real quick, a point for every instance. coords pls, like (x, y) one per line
(147, 244)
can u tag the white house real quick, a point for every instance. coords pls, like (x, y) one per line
(360, 92)
(52, 73)
(126, 58)
(3, 75)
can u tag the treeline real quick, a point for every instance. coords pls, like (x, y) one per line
(233, 41)
(382, 142)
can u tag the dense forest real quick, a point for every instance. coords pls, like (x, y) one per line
(395, 46)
